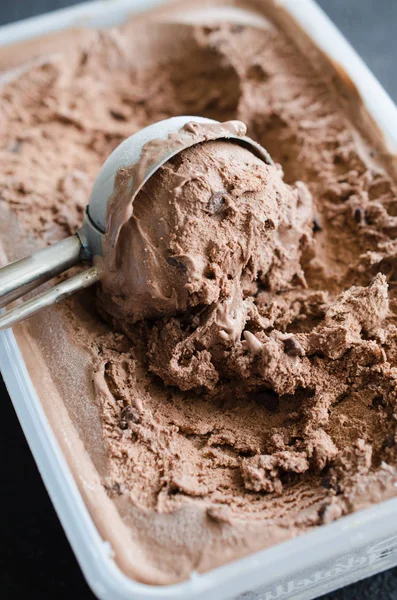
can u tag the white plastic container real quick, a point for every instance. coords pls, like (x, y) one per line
(313, 564)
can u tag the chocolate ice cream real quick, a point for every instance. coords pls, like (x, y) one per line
(215, 415)
(208, 226)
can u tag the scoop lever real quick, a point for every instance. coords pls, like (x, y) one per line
(52, 296)
(26, 274)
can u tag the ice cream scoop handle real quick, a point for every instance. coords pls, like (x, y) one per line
(52, 296)
(22, 276)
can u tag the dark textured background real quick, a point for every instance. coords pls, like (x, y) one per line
(35, 557)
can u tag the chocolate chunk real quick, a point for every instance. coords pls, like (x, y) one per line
(83, 58)
(129, 414)
(359, 215)
(378, 402)
(114, 489)
(292, 347)
(215, 203)
(208, 29)
(389, 442)
(326, 483)
(256, 72)
(321, 511)
(341, 398)
(269, 225)
(316, 225)
(177, 264)
(268, 399)
(117, 115)
(209, 274)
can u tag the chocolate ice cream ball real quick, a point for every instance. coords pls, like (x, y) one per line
(213, 214)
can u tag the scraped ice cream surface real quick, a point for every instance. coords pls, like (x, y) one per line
(234, 382)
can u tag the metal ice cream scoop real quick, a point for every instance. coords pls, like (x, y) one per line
(26, 274)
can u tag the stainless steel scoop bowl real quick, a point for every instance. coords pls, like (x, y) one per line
(26, 274)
